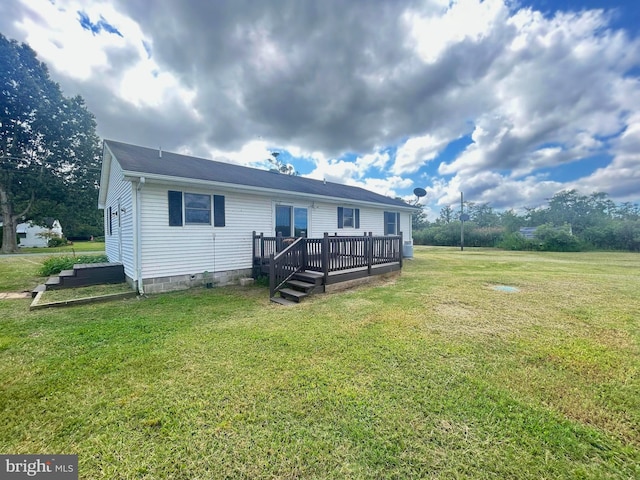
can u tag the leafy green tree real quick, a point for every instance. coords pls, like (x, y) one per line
(627, 211)
(419, 220)
(511, 221)
(482, 215)
(280, 166)
(579, 211)
(446, 215)
(48, 142)
(557, 239)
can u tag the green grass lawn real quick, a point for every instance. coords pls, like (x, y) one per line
(20, 273)
(65, 294)
(433, 374)
(77, 247)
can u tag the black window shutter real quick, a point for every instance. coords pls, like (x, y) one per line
(357, 215)
(218, 211)
(175, 208)
(340, 217)
(109, 221)
(397, 223)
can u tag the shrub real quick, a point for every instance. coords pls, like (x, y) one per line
(482, 236)
(557, 239)
(57, 242)
(54, 265)
(262, 281)
(516, 241)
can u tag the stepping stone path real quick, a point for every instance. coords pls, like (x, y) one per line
(13, 296)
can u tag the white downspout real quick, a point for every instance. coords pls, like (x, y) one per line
(138, 229)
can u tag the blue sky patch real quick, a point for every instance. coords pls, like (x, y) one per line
(98, 27)
(572, 171)
(147, 48)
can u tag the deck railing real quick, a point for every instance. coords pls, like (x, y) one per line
(285, 256)
(285, 264)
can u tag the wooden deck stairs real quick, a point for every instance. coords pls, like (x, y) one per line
(301, 285)
(299, 266)
(83, 275)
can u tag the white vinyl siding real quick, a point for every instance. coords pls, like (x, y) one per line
(325, 219)
(406, 226)
(119, 202)
(192, 248)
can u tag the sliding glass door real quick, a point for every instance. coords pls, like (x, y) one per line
(291, 221)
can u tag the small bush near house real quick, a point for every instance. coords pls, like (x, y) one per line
(262, 281)
(54, 265)
(57, 242)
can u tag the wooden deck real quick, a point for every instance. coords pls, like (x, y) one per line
(331, 259)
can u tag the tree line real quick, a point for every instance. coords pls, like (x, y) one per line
(569, 222)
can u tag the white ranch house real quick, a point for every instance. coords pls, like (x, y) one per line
(31, 234)
(176, 221)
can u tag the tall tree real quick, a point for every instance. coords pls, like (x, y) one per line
(511, 221)
(482, 214)
(419, 219)
(446, 215)
(627, 211)
(46, 139)
(280, 166)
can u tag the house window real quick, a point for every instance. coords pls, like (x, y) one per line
(391, 223)
(348, 217)
(197, 209)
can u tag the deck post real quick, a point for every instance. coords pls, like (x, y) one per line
(401, 246)
(325, 257)
(272, 276)
(305, 257)
(253, 253)
(261, 245)
(369, 252)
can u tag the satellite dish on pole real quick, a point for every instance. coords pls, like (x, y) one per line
(419, 192)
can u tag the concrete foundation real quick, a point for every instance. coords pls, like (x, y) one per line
(184, 282)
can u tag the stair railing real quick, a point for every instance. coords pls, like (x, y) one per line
(286, 264)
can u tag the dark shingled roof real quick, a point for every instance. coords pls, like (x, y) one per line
(147, 161)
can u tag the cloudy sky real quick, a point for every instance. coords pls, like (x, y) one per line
(508, 101)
